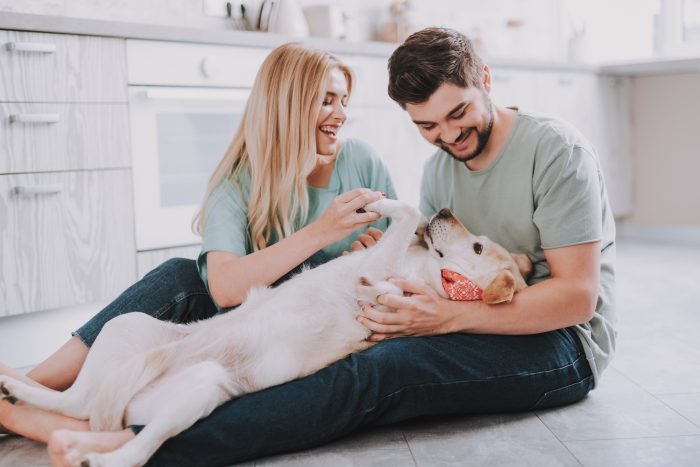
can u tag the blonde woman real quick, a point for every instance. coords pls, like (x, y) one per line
(287, 192)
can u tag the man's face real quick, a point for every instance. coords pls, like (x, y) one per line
(456, 119)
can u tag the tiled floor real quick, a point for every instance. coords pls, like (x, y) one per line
(646, 412)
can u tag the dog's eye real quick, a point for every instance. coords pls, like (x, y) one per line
(439, 252)
(478, 248)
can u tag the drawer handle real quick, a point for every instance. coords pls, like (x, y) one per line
(33, 190)
(34, 118)
(31, 47)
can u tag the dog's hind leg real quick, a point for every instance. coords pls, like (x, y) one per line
(64, 403)
(184, 398)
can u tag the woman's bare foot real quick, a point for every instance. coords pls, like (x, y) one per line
(68, 448)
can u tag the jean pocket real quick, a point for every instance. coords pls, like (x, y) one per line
(566, 395)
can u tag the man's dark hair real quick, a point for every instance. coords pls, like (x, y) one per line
(429, 58)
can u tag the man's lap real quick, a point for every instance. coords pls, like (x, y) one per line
(393, 381)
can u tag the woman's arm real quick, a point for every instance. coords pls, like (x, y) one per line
(566, 299)
(231, 277)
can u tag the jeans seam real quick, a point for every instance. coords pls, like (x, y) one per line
(178, 298)
(366, 411)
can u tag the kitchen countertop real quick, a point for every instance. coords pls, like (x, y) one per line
(81, 26)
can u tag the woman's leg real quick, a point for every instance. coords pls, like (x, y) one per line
(393, 381)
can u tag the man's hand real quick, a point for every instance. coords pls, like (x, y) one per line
(365, 240)
(421, 313)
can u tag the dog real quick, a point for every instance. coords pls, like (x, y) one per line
(139, 368)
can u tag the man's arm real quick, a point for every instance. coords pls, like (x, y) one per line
(567, 298)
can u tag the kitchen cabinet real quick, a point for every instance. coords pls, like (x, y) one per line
(66, 204)
(66, 238)
(44, 137)
(40, 67)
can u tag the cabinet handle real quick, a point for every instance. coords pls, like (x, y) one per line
(34, 118)
(33, 190)
(31, 47)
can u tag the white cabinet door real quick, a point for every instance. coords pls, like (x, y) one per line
(41, 67)
(66, 239)
(51, 137)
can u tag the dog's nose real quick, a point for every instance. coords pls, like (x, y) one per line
(444, 213)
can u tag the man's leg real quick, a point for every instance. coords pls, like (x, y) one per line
(393, 381)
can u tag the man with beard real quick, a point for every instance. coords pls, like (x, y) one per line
(532, 184)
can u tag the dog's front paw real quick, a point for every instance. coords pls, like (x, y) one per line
(385, 207)
(7, 389)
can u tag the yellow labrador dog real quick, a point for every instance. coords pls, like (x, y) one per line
(139, 368)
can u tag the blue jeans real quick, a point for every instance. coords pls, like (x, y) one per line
(393, 381)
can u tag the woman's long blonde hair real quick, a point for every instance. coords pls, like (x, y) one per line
(276, 141)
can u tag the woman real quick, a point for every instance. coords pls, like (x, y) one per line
(286, 192)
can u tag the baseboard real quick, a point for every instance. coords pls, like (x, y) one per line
(28, 339)
(686, 235)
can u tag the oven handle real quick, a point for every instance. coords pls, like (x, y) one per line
(198, 94)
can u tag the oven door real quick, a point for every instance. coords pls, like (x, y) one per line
(178, 137)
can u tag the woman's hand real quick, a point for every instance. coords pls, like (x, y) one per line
(421, 313)
(342, 218)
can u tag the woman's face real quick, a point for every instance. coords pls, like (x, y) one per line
(332, 115)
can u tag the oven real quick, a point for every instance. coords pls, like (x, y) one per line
(185, 102)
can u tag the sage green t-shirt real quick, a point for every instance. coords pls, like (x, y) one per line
(544, 190)
(226, 224)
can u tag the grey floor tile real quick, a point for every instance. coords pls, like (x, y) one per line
(687, 405)
(375, 447)
(617, 409)
(488, 440)
(679, 451)
(16, 452)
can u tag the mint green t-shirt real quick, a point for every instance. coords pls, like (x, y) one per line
(544, 190)
(226, 224)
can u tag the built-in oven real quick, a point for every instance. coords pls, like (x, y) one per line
(186, 102)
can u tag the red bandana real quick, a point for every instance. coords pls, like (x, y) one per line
(460, 288)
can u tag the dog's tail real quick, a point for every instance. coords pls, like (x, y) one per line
(116, 391)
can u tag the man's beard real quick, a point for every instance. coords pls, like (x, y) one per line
(482, 136)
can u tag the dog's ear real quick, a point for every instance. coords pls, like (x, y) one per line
(524, 264)
(501, 288)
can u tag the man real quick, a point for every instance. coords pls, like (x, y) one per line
(532, 184)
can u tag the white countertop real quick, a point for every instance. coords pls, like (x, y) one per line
(80, 26)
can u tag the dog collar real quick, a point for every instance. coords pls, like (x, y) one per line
(458, 287)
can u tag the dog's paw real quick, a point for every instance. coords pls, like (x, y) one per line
(367, 291)
(7, 389)
(94, 459)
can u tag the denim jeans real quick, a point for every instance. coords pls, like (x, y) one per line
(393, 381)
